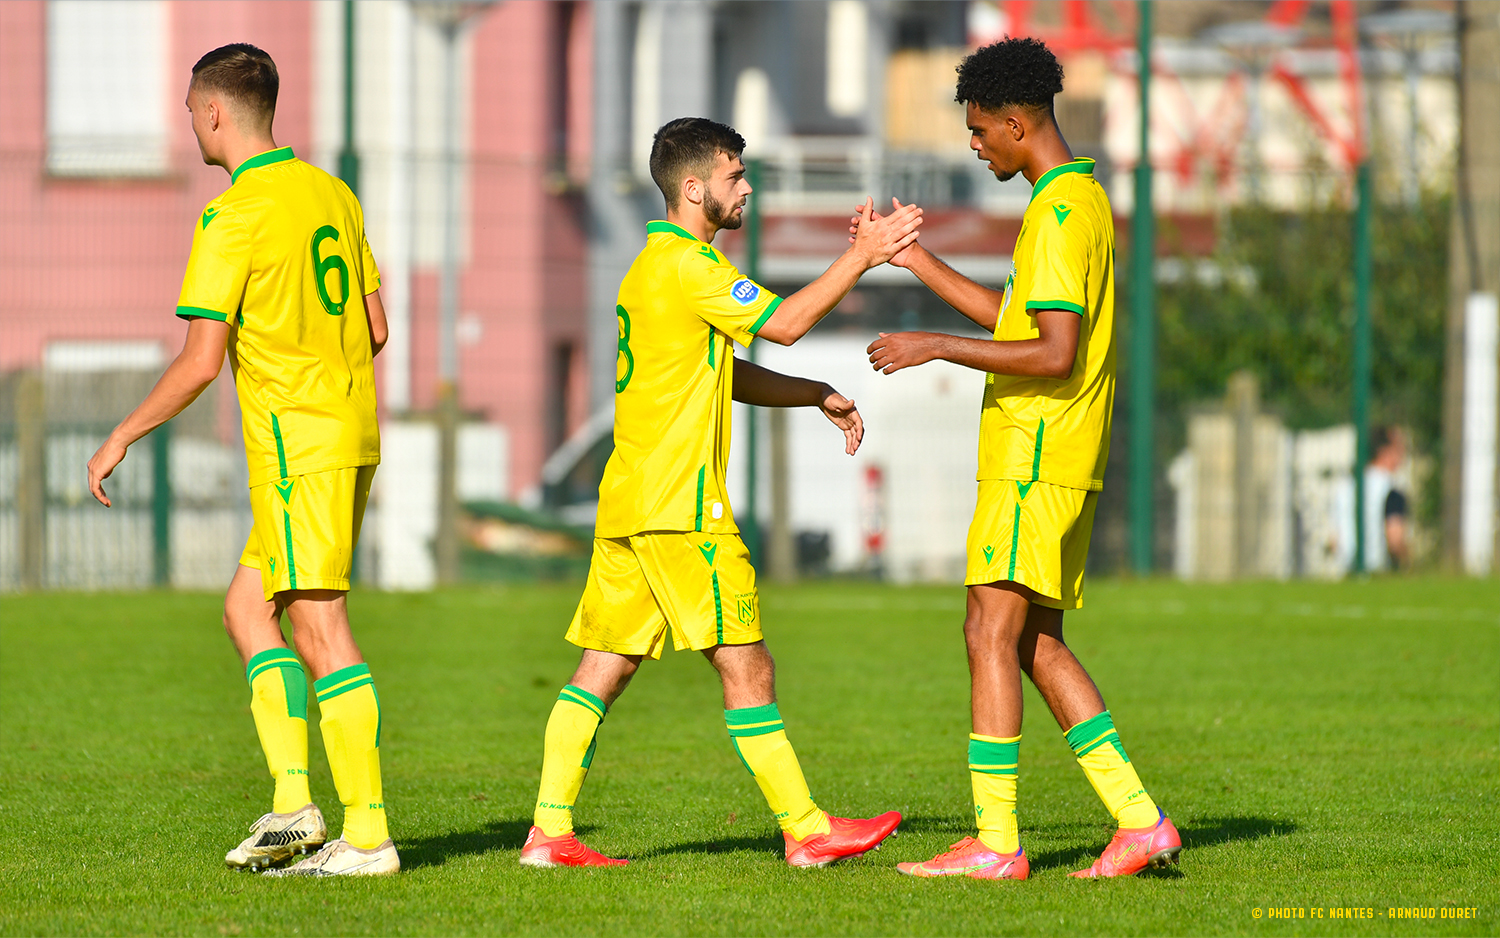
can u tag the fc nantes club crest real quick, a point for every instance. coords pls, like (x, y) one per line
(745, 608)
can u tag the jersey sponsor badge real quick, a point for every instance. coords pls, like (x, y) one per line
(744, 291)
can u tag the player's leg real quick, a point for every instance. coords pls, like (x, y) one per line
(748, 675)
(307, 570)
(617, 624)
(278, 704)
(278, 687)
(572, 736)
(1079, 710)
(1002, 562)
(813, 837)
(351, 725)
(1146, 836)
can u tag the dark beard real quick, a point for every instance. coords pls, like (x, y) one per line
(719, 215)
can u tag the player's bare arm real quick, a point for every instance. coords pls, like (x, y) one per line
(1050, 355)
(193, 370)
(766, 388)
(974, 300)
(876, 240)
(380, 332)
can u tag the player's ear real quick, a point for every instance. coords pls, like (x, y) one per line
(692, 190)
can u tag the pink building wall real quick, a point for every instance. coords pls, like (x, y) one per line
(527, 280)
(102, 259)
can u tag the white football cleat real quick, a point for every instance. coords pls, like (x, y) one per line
(341, 858)
(276, 838)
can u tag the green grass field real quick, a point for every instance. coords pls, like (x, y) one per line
(1319, 747)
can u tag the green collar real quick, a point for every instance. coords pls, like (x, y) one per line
(666, 227)
(279, 155)
(1081, 165)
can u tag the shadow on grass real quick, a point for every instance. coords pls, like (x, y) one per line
(761, 843)
(773, 842)
(496, 835)
(1205, 832)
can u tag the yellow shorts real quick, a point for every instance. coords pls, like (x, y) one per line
(306, 528)
(700, 585)
(1034, 534)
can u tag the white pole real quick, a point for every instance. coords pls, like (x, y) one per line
(1477, 515)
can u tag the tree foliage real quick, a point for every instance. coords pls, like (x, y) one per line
(1278, 300)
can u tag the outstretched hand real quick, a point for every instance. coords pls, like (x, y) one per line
(842, 413)
(902, 257)
(893, 351)
(882, 237)
(101, 464)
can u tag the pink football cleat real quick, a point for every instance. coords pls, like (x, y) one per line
(567, 850)
(846, 839)
(1133, 849)
(970, 857)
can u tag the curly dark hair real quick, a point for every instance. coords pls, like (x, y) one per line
(1010, 73)
(689, 146)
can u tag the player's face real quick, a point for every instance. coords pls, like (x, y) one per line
(992, 137)
(724, 195)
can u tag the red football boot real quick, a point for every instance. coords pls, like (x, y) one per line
(847, 838)
(969, 857)
(1133, 849)
(567, 850)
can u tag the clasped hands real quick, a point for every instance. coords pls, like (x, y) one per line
(892, 351)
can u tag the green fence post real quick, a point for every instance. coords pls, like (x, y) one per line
(1143, 323)
(348, 156)
(161, 505)
(1362, 353)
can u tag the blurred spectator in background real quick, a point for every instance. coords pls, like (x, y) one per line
(1386, 504)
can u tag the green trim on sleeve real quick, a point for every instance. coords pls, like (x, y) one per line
(1055, 304)
(1082, 165)
(279, 155)
(198, 312)
(755, 329)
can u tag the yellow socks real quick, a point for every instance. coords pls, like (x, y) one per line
(760, 738)
(278, 702)
(992, 771)
(1097, 745)
(572, 734)
(351, 735)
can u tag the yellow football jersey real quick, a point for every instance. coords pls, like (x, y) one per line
(282, 257)
(678, 307)
(1041, 428)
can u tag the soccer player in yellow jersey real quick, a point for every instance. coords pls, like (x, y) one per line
(667, 552)
(1043, 443)
(281, 277)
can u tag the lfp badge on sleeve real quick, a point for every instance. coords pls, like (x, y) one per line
(744, 292)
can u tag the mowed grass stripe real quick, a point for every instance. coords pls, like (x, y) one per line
(1310, 759)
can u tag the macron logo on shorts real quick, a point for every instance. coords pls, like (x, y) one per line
(744, 292)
